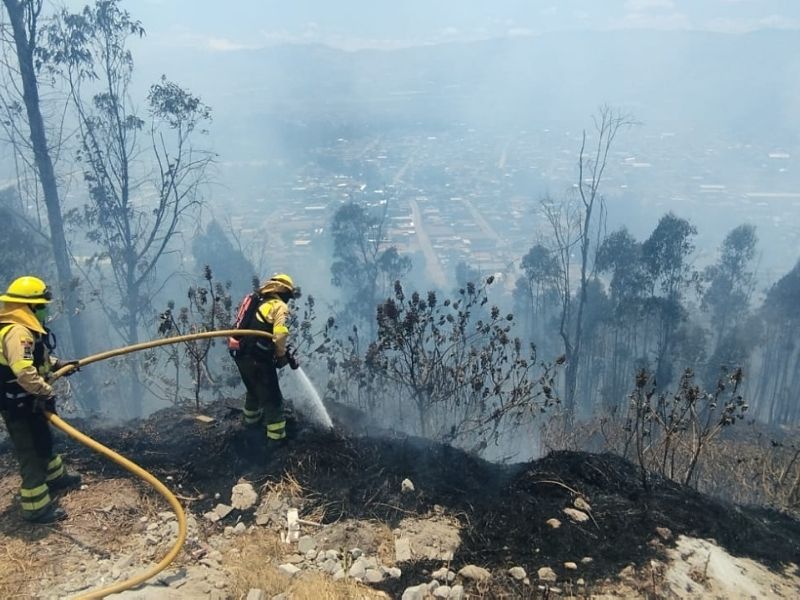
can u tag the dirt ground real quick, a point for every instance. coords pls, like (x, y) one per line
(462, 511)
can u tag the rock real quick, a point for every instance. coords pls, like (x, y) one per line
(332, 554)
(417, 592)
(571, 566)
(580, 581)
(440, 574)
(306, 543)
(582, 504)
(220, 511)
(240, 528)
(340, 574)
(281, 596)
(474, 573)
(262, 519)
(547, 575)
(358, 569)
(311, 554)
(586, 560)
(457, 592)
(356, 552)
(295, 559)
(517, 573)
(394, 572)
(664, 533)
(373, 576)
(243, 496)
(289, 569)
(442, 592)
(402, 549)
(554, 523)
(576, 515)
(406, 486)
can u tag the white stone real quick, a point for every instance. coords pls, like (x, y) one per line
(240, 528)
(289, 569)
(440, 574)
(358, 569)
(417, 592)
(517, 573)
(547, 574)
(475, 573)
(576, 515)
(406, 486)
(582, 504)
(570, 566)
(243, 496)
(402, 549)
(457, 592)
(373, 576)
(306, 543)
(394, 572)
(554, 523)
(442, 592)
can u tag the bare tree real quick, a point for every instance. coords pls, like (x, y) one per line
(578, 223)
(142, 180)
(24, 18)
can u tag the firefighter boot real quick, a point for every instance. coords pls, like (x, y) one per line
(68, 481)
(51, 514)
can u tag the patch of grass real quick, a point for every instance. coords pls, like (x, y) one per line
(253, 564)
(18, 569)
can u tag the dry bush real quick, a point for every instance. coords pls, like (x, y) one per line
(253, 564)
(760, 466)
(686, 436)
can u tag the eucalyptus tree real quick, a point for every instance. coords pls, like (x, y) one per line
(22, 96)
(143, 171)
(364, 263)
(780, 364)
(666, 256)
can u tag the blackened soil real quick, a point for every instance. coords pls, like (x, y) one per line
(503, 509)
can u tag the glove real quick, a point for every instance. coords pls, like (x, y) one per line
(293, 362)
(44, 403)
(74, 364)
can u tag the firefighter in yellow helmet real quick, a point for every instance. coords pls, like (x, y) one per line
(258, 359)
(25, 363)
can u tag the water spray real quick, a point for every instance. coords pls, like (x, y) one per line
(311, 403)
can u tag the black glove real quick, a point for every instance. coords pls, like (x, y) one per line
(44, 403)
(293, 362)
(74, 364)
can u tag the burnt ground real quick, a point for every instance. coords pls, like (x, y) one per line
(503, 508)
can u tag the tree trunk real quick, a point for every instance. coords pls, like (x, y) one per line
(44, 166)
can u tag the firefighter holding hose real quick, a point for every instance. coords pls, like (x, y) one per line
(25, 362)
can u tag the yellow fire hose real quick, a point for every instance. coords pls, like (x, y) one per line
(133, 467)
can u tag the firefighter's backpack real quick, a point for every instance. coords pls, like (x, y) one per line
(244, 317)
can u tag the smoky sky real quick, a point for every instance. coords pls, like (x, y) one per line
(355, 24)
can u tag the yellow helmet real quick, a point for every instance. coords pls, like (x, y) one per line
(28, 290)
(279, 284)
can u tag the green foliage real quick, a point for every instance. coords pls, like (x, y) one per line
(214, 248)
(23, 248)
(363, 265)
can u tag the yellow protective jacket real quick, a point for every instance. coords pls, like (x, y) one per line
(20, 332)
(271, 316)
